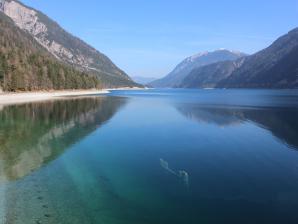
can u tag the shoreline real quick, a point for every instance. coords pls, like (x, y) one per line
(7, 98)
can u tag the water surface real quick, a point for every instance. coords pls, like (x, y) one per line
(153, 156)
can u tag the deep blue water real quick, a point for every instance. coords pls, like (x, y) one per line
(152, 156)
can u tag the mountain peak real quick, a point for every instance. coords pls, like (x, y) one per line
(194, 57)
(239, 53)
(273, 67)
(295, 30)
(220, 50)
(187, 65)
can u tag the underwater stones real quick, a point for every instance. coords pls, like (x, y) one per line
(164, 164)
(184, 176)
(181, 174)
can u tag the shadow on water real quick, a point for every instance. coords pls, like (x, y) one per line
(33, 134)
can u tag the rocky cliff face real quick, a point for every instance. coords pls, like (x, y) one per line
(63, 45)
(27, 66)
(27, 19)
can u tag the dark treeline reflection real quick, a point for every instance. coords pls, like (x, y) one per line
(36, 133)
(282, 122)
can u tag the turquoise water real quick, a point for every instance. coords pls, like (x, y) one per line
(152, 156)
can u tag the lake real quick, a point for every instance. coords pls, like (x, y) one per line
(152, 156)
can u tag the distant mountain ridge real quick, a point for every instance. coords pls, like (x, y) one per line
(273, 67)
(175, 78)
(210, 75)
(143, 80)
(64, 46)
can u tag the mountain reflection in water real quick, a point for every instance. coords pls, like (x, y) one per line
(169, 156)
(34, 134)
(282, 122)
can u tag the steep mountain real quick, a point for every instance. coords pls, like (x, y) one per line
(273, 67)
(175, 78)
(210, 75)
(26, 66)
(143, 80)
(64, 46)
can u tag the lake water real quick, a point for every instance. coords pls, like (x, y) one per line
(152, 157)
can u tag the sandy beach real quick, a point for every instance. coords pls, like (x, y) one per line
(23, 97)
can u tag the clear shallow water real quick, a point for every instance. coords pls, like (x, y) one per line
(158, 156)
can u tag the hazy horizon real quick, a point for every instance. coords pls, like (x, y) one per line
(149, 38)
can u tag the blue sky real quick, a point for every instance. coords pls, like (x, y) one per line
(149, 37)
